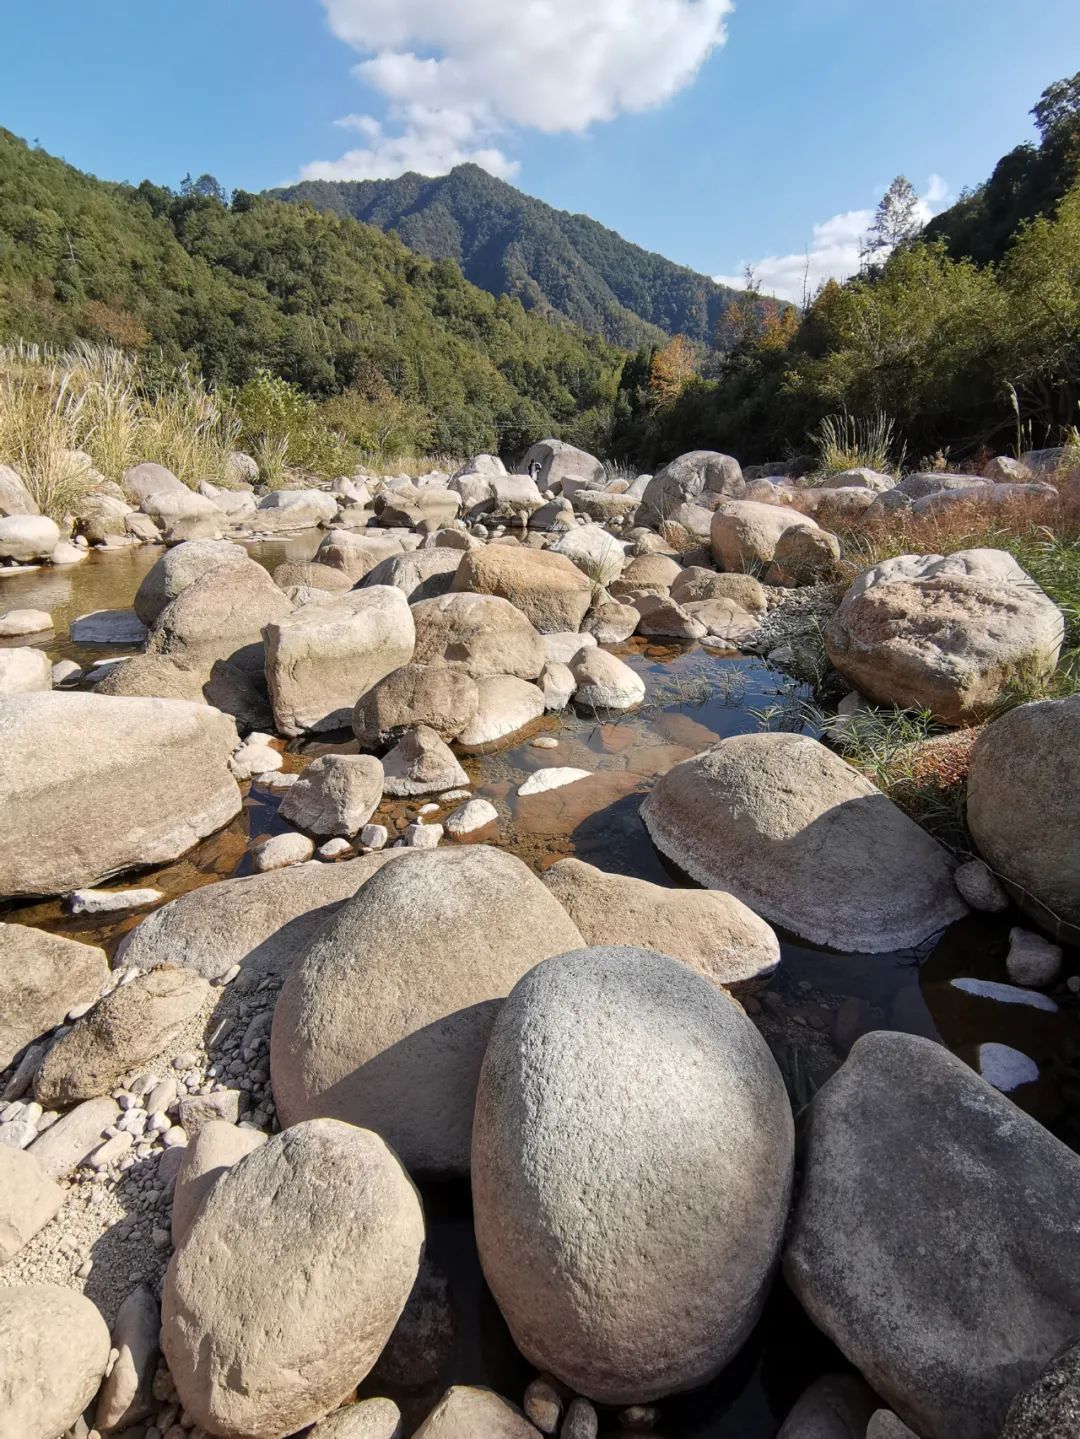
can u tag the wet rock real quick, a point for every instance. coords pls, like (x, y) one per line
(744, 534)
(219, 616)
(836, 1406)
(370, 1419)
(700, 477)
(420, 763)
(947, 635)
(24, 622)
(291, 1279)
(157, 771)
(547, 588)
(127, 1394)
(212, 1152)
(42, 978)
(1022, 784)
(1005, 1068)
(786, 826)
(422, 575)
(484, 634)
(1032, 961)
(711, 932)
(468, 1412)
(383, 1020)
(108, 627)
(504, 706)
(180, 567)
(28, 1200)
(442, 697)
(336, 794)
(979, 888)
(27, 537)
(281, 850)
(24, 670)
(620, 1305)
(54, 1346)
(474, 814)
(605, 682)
(321, 658)
(259, 922)
(128, 1028)
(1003, 1237)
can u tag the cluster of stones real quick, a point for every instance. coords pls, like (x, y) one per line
(272, 1061)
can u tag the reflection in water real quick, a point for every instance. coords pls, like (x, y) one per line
(814, 1009)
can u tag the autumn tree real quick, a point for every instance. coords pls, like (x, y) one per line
(670, 372)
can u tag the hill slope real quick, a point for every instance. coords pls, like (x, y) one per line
(314, 297)
(511, 244)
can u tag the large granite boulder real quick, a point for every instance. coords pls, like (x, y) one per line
(295, 509)
(54, 1346)
(562, 467)
(322, 658)
(936, 1239)
(1049, 1408)
(289, 1282)
(595, 551)
(1022, 797)
(15, 498)
(699, 478)
(180, 567)
(42, 977)
(384, 1019)
(443, 697)
(484, 634)
(219, 616)
(355, 555)
(28, 537)
(91, 785)
(744, 534)
(419, 575)
(24, 670)
(945, 634)
(712, 932)
(147, 479)
(800, 836)
(335, 795)
(629, 1206)
(548, 589)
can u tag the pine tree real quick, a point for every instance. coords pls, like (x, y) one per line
(897, 219)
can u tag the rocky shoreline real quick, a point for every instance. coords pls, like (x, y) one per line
(219, 1136)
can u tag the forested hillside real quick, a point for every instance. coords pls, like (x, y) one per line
(325, 302)
(511, 244)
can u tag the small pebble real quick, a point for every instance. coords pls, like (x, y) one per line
(544, 741)
(543, 1406)
(581, 1421)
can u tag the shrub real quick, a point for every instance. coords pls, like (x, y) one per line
(282, 429)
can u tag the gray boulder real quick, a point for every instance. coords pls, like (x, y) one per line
(744, 534)
(322, 658)
(484, 634)
(605, 682)
(15, 498)
(335, 794)
(28, 537)
(383, 1020)
(127, 1394)
(421, 575)
(130, 1026)
(1049, 1407)
(505, 705)
(698, 478)
(93, 785)
(923, 1284)
(711, 932)
(219, 616)
(54, 1346)
(562, 467)
(212, 1152)
(585, 1097)
(355, 555)
(42, 977)
(800, 836)
(147, 479)
(836, 1406)
(28, 1200)
(260, 922)
(290, 1281)
(1023, 783)
(443, 697)
(295, 509)
(420, 763)
(180, 567)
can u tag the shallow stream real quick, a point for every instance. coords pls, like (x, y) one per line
(816, 1006)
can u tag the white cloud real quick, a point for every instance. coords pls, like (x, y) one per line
(834, 250)
(459, 75)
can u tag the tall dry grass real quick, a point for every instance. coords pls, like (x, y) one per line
(69, 418)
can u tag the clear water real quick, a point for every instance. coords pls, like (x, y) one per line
(813, 1010)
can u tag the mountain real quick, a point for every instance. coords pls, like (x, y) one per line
(511, 244)
(316, 298)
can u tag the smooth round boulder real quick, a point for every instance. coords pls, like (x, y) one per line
(54, 1346)
(806, 841)
(744, 534)
(1023, 783)
(24, 670)
(932, 1215)
(290, 1280)
(179, 567)
(421, 575)
(505, 705)
(605, 682)
(383, 1020)
(548, 589)
(585, 1098)
(15, 623)
(484, 634)
(312, 576)
(697, 478)
(335, 795)
(27, 537)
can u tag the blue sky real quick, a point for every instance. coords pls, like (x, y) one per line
(715, 133)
